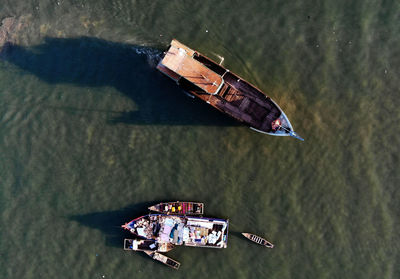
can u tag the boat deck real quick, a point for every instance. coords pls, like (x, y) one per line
(180, 61)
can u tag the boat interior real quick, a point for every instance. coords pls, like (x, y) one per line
(147, 245)
(140, 244)
(243, 99)
(183, 208)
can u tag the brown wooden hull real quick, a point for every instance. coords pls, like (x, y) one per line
(225, 91)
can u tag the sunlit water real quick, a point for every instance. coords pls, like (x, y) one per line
(91, 134)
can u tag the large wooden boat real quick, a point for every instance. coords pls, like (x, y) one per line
(164, 259)
(179, 208)
(180, 230)
(258, 240)
(202, 77)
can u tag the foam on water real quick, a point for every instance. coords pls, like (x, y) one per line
(153, 55)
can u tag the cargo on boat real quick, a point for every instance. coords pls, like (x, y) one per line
(258, 240)
(180, 230)
(179, 208)
(202, 77)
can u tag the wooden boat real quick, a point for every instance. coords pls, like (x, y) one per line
(179, 208)
(146, 245)
(202, 77)
(258, 240)
(162, 232)
(172, 230)
(163, 259)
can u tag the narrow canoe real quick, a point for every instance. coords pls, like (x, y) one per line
(179, 208)
(258, 240)
(163, 259)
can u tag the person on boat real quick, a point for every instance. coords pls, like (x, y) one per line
(276, 124)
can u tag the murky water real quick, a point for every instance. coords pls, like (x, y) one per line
(91, 134)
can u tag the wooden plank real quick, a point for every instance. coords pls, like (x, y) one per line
(180, 61)
(177, 44)
(244, 104)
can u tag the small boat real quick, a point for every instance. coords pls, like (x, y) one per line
(201, 77)
(146, 245)
(179, 208)
(163, 259)
(258, 240)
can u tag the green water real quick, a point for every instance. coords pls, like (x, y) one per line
(91, 134)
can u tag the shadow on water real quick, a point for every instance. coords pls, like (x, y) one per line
(109, 222)
(130, 69)
(236, 234)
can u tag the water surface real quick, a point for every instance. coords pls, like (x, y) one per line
(91, 134)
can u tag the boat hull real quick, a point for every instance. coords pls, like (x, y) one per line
(225, 91)
(181, 230)
(163, 259)
(259, 240)
(179, 208)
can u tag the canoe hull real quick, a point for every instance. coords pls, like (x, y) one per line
(179, 208)
(259, 240)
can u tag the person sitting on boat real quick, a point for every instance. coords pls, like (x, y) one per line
(276, 124)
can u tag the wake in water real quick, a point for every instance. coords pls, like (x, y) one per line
(221, 58)
(153, 55)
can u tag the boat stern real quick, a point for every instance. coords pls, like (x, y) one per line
(225, 235)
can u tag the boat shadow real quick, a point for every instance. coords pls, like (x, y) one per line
(130, 69)
(109, 222)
